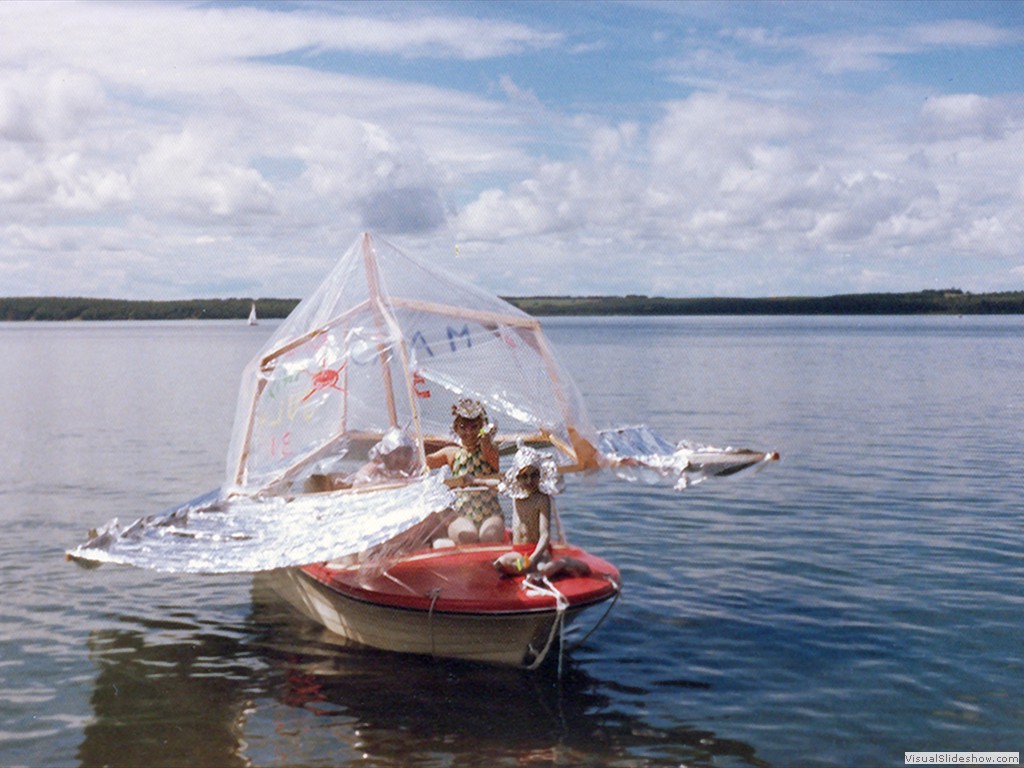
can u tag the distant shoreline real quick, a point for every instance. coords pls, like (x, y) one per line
(930, 302)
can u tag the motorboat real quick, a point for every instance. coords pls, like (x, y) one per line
(448, 603)
(378, 353)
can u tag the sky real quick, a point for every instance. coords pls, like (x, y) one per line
(203, 150)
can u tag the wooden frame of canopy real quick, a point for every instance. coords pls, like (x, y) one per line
(579, 449)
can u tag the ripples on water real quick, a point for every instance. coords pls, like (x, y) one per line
(861, 598)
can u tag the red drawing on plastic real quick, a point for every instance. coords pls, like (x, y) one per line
(325, 379)
(419, 385)
(282, 447)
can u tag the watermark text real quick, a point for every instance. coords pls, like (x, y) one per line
(961, 758)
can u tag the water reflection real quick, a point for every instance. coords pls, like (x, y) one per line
(274, 692)
(165, 695)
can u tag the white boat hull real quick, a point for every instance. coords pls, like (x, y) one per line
(515, 639)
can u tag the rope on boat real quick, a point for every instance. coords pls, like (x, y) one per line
(544, 586)
(608, 610)
(434, 594)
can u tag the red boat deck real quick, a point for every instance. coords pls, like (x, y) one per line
(463, 580)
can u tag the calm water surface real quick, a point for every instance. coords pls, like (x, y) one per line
(861, 598)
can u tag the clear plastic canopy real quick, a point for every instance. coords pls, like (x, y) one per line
(388, 342)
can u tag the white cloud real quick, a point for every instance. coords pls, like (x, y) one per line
(46, 104)
(962, 115)
(747, 181)
(22, 180)
(609, 142)
(838, 53)
(186, 148)
(149, 35)
(962, 32)
(191, 174)
(517, 95)
(78, 187)
(360, 166)
(133, 116)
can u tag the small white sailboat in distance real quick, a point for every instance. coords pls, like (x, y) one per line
(252, 315)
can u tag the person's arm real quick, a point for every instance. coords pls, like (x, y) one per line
(489, 450)
(544, 540)
(440, 458)
(587, 456)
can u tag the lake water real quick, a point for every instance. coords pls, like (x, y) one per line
(861, 598)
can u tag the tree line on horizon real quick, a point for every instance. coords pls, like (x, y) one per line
(937, 302)
(79, 308)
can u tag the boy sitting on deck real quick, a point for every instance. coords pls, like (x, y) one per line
(530, 482)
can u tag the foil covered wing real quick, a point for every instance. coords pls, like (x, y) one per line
(214, 534)
(639, 454)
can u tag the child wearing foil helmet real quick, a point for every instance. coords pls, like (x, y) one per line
(393, 458)
(531, 482)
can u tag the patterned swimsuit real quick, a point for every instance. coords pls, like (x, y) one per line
(475, 505)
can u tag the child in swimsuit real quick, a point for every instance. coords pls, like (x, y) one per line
(531, 482)
(478, 512)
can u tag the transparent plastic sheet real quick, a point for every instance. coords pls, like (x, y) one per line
(213, 534)
(387, 341)
(639, 454)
